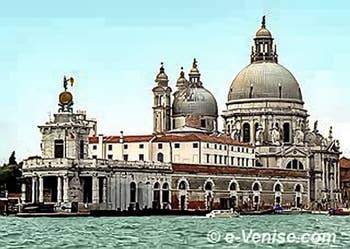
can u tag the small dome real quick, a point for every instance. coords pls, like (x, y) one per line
(264, 80)
(161, 76)
(195, 100)
(263, 33)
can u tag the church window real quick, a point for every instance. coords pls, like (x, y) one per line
(208, 158)
(125, 146)
(208, 145)
(297, 188)
(256, 187)
(141, 146)
(208, 186)
(110, 157)
(195, 145)
(125, 157)
(220, 159)
(160, 157)
(141, 157)
(215, 159)
(132, 192)
(215, 146)
(94, 147)
(233, 186)
(59, 148)
(160, 146)
(278, 187)
(232, 160)
(286, 133)
(94, 157)
(177, 145)
(220, 147)
(110, 147)
(182, 185)
(295, 164)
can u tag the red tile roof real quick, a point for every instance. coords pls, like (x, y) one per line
(344, 163)
(199, 137)
(127, 139)
(171, 138)
(218, 170)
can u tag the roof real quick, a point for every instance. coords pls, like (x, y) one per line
(344, 163)
(200, 137)
(127, 139)
(171, 138)
(195, 168)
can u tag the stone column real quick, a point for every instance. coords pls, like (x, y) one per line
(149, 195)
(122, 193)
(65, 188)
(95, 190)
(104, 194)
(59, 189)
(113, 189)
(118, 191)
(41, 189)
(23, 192)
(33, 189)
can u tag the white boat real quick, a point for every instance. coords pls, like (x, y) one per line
(230, 213)
(320, 212)
(293, 210)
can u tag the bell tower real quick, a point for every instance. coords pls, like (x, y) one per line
(161, 103)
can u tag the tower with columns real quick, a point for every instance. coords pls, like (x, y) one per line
(161, 103)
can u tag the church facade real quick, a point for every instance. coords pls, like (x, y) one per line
(266, 154)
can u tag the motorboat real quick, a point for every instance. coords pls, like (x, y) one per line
(339, 211)
(230, 213)
(293, 210)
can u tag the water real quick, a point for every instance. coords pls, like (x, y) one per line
(168, 232)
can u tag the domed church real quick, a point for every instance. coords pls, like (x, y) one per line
(265, 108)
(265, 155)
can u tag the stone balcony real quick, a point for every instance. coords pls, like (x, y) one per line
(98, 164)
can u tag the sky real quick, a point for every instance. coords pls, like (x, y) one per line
(114, 49)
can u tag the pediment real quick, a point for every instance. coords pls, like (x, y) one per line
(293, 151)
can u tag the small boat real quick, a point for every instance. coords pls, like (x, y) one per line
(320, 212)
(257, 212)
(230, 213)
(339, 211)
(293, 210)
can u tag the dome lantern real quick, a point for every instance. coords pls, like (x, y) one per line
(263, 45)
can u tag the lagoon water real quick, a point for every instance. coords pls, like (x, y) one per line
(172, 232)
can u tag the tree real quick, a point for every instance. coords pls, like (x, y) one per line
(10, 175)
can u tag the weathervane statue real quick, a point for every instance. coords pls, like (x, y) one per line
(65, 97)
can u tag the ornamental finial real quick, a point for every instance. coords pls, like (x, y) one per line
(194, 65)
(263, 22)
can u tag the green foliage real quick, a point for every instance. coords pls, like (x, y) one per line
(10, 176)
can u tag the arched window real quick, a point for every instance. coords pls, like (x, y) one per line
(297, 188)
(233, 186)
(165, 189)
(182, 185)
(295, 164)
(208, 186)
(286, 133)
(132, 192)
(256, 187)
(160, 157)
(246, 133)
(278, 187)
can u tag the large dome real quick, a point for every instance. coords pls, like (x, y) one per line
(195, 100)
(264, 80)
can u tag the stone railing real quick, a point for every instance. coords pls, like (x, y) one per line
(61, 163)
